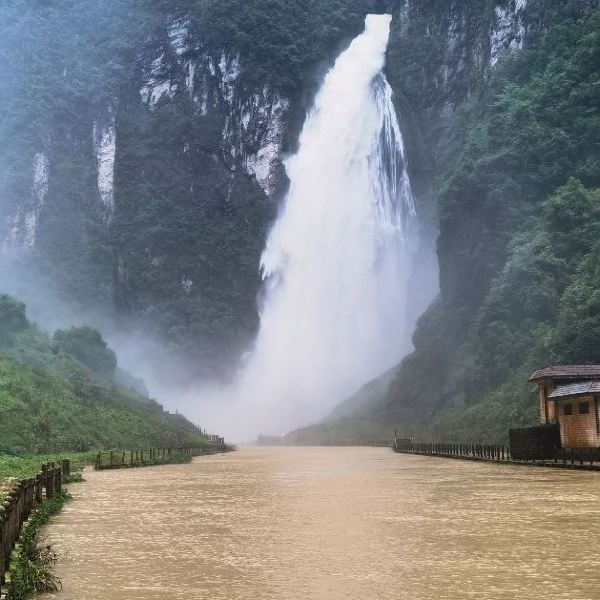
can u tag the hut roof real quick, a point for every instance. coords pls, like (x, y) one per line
(567, 372)
(582, 388)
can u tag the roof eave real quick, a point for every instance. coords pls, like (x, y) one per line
(573, 395)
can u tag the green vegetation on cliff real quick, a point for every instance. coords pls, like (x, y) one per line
(518, 194)
(523, 200)
(280, 41)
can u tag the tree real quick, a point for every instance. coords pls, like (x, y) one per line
(12, 318)
(86, 345)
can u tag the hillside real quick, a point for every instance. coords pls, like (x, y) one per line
(50, 401)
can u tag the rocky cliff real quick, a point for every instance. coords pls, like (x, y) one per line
(142, 159)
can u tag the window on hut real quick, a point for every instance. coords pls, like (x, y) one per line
(568, 409)
(584, 408)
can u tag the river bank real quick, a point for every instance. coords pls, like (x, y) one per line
(31, 493)
(329, 523)
(24, 467)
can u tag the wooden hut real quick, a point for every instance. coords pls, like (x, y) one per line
(570, 397)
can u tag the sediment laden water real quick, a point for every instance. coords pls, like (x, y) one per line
(337, 261)
(331, 524)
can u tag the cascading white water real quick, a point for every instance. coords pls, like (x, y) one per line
(336, 263)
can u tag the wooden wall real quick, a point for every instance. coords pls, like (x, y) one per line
(578, 430)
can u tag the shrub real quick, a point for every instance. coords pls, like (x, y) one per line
(12, 318)
(86, 345)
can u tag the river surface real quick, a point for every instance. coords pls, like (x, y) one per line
(328, 524)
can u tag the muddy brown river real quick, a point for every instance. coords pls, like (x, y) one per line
(328, 524)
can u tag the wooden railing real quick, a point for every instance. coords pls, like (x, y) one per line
(564, 457)
(449, 450)
(143, 457)
(576, 458)
(19, 503)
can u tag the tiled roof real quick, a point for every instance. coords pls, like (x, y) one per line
(576, 389)
(567, 372)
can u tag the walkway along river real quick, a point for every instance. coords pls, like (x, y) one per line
(327, 524)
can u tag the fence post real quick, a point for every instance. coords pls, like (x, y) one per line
(45, 479)
(2, 545)
(39, 488)
(58, 479)
(30, 495)
(21, 504)
(50, 481)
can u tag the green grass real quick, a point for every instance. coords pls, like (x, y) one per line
(24, 467)
(40, 411)
(52, 402)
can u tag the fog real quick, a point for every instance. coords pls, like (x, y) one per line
(348, 267)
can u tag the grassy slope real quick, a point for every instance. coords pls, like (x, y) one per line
(51, 402)
(25, 467)
(40, 411)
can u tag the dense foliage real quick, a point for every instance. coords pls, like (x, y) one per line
(519, 216)
(87, 346)
(281, 40)
(12, 318)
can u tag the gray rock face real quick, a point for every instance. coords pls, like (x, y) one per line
(254, 122)
(452, 47)
(22, 226)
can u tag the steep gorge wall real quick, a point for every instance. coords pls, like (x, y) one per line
(145, 159)
(496, 97)
(439, 57)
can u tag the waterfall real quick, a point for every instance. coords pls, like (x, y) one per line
(337, 261)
